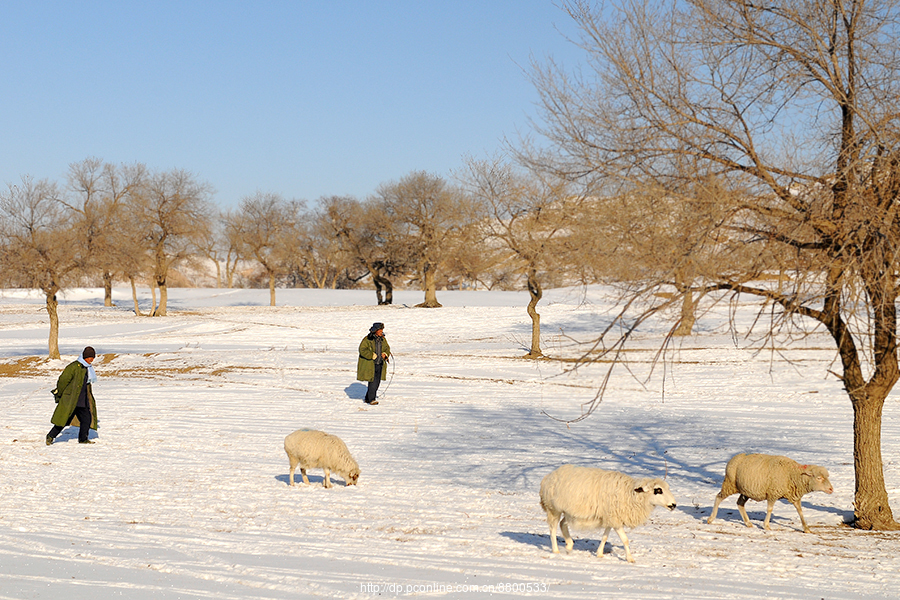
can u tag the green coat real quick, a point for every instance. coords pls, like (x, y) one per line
(365, 365)
(68, 387)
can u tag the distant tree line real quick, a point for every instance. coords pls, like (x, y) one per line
(493, 226)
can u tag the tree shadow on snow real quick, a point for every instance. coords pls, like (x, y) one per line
(677, 446)
(657, 447)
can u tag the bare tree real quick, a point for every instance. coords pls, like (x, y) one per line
(531, 217)
(426, 213)
(97, 195)
(366, 236)
(216, 245)
(232, 224)
(792, 107)
(472, 262)
(38, 244)
(264, 231)
(318, 257)
(172, 210)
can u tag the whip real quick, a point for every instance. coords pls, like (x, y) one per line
(381, 392)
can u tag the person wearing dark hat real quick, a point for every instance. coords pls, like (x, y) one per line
(74, 398)
(374, 352)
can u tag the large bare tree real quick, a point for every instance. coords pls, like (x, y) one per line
(172, 210)
(264, 229)
(792, 107)
(426, 212)
(38, 246)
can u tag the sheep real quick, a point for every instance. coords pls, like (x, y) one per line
(591, 498)
(767, 477)
(319, 450)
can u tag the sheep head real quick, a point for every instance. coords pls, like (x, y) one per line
(657, 492)
(816, 478)
(353, 477)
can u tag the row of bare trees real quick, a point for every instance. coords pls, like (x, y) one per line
(493, 226)
(105, 222)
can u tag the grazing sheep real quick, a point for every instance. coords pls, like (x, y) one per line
(592, 498)
(766, 477)
(319, 450)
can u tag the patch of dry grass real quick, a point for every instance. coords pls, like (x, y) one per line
(27, 366)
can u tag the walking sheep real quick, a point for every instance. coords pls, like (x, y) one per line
(766, 477)
(319, 450)
(590, 498)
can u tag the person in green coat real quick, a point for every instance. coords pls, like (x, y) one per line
(74, 398)
(374, 353)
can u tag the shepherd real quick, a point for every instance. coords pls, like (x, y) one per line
(74, 398)
(374, 353)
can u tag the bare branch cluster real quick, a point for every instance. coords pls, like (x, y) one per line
(753, 148)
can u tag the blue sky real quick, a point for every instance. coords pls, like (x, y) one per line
(301, 98)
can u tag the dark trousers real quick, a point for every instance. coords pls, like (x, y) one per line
(373, 385)
(84, 427)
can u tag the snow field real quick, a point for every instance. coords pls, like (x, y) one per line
(185, 494)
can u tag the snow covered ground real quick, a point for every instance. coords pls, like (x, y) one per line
(185, 493)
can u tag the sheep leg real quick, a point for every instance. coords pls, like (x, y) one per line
(294, 462)
(624, 538)
(565, 531)
(741, 502)
(303, 474)
(719, 499)
(769, 509)
(552, 521)
(806, 529)
(603, 541)
(327, 481)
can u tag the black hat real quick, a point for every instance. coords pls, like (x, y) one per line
(88, 353)
(375, 327)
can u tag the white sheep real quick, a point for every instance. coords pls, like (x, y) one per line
(313, 449)
(767, 477)
(591, 498)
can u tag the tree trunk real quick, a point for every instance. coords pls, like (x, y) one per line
(153, 303)
(536, 293)
(107, 289)
(382, 282)
(163, 296)
(686, 323)
(430, 289)
(137, 307)
(229, 273)
(872, 510)
(378, 294)
(683, 285)
(52, 304)
(271, 289)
